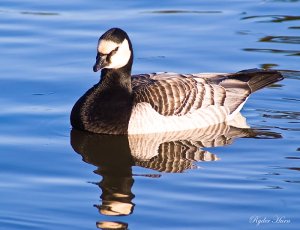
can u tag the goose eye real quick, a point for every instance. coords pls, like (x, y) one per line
(115, 50)
(112, 53)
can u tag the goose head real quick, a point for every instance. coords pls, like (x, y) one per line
(114, 50)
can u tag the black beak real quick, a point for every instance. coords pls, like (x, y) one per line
(100, 63)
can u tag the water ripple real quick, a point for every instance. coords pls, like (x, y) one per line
(273, 18)
(276, 51)
(281, 39)
(182, 12)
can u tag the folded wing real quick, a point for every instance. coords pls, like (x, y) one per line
(177, 94)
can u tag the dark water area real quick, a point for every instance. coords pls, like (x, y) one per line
(53, 177)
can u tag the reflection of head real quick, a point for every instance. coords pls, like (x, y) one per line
(115, 208)
(112, 225)
(116, 195)
(112, 156)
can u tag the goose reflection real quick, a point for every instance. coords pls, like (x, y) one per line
(173, 152)
(111, 154)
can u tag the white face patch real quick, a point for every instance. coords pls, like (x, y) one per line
(120, 58)
(105, 46)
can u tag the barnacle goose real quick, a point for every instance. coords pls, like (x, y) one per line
(159, 102)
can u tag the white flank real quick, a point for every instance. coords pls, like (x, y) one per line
(144, 119)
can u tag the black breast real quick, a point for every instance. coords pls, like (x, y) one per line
(103, 110)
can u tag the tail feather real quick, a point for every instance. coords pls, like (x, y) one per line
(240, 85)
(258, 79)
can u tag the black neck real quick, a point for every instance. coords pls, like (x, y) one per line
(117, 78)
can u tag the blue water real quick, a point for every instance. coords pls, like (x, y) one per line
(51, 179)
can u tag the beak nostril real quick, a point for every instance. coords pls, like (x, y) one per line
(96, 67)
(100, 62)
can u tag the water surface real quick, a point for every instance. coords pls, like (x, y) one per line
(54, 178)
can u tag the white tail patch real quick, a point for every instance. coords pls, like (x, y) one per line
(235, 112)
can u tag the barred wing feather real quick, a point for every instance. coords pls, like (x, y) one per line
(177, 94)
(174, 94)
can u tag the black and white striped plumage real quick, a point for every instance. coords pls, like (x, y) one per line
(159, 102)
